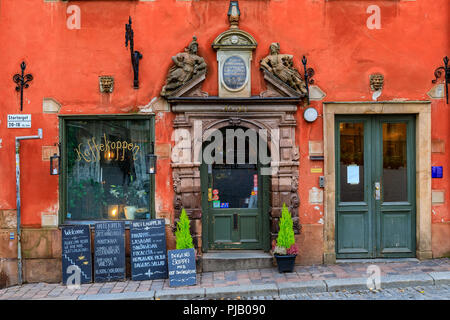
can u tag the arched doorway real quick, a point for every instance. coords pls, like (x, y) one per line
(235, 190)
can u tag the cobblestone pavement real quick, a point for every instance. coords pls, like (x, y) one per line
(439, 292)
(230, 278)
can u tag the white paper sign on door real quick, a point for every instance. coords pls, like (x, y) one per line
(353, 174)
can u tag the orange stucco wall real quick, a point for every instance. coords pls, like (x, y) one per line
(66, 64)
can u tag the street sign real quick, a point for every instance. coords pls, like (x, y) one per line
(19, 121)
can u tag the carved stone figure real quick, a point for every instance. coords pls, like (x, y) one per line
(376, 82)
(282, 66)
(187, 65)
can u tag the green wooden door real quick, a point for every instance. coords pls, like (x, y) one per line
(235, 203)
(375, 186)
(235, 218)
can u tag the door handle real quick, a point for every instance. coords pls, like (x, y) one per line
(235, 221)
(377, 187)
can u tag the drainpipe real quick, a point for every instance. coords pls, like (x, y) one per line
(19, 236)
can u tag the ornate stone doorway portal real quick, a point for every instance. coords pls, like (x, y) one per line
(271, 113)
(196, 118)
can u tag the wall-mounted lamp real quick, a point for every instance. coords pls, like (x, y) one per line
(438, 74)
(150, 160)
(55, 163)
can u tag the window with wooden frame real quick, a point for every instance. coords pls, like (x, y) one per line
(104, 171)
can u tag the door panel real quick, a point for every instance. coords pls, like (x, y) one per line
(249, 226)
(354, 234)
(395, 232)
(222, 228)
(375, 186)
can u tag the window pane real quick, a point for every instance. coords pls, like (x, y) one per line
(351, 161)
(106, 171)
(236, 185)
(394, 162)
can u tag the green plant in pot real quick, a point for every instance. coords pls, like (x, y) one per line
(285, 250)
(182, 234)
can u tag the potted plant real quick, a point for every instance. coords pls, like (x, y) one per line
(182, 260)
(182, 234)
(285, 250)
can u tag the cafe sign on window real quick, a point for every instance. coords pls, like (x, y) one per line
(113, 150)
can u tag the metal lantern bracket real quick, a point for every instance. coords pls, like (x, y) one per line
(22, 82)
(151, 159)
(56, 157)
(438, 74)
(135, 55)
(309, 73)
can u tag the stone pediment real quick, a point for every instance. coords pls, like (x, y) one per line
(234, 39)
(191, 88)
(277, 88)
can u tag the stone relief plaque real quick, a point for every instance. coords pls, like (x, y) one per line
(234, 72)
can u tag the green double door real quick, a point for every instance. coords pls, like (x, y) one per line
(375, 186)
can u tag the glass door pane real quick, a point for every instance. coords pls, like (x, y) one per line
(351, 161)
(395, 174)
(235, 186)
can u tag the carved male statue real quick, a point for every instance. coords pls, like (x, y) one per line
(187, 65)
(282, 66)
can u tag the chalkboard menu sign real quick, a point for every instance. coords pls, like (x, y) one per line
(182, 267)
(109, 251)
(76, 252)
(148, 250)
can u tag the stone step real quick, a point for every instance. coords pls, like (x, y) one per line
(236, 260)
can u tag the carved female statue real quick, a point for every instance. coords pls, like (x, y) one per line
(282, 66)
(187, 65)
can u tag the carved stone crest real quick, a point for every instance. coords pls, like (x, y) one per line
(187, 66)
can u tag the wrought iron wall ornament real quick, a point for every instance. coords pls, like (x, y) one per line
(22, 82)
(309, 73)
(135, 55)
(438, 74)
